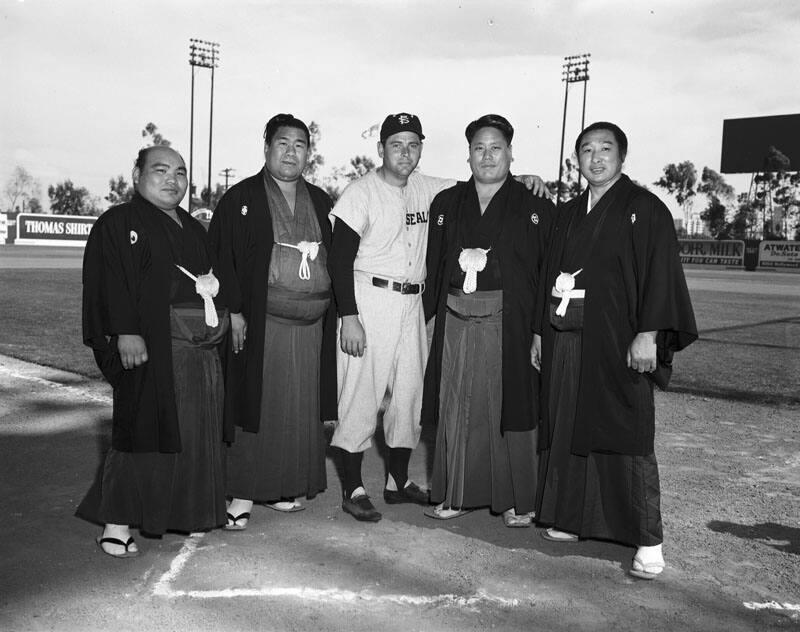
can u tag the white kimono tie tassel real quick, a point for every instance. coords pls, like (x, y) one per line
(308, 250)
(472, 261)
(207, 286)
(565, 283)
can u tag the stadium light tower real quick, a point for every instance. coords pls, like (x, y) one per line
(574, 70)
(205, 55)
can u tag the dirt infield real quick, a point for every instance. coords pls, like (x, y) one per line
(730, 483)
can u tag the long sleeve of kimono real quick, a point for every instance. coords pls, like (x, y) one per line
(223, 238)
(664, 304)
(109, 303)
(118, 276)
(539, 240)
(434, 257)
(109, 300)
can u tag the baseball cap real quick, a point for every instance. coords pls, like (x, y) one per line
(402, 122)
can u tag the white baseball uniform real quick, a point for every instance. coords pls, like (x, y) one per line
(392, 223)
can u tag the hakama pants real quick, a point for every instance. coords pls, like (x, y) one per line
(604, 496)
(159, 492)
(286, 457)
(474, 464)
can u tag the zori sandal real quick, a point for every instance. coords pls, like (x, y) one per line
(117, 542)
(237, 523)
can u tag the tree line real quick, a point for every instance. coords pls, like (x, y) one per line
(770, 210)
(23, 192)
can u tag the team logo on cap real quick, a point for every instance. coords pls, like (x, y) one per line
(134, 237)
(534, 218)
(440, 220)
(244, 210)
(404, 119)
(633, 218)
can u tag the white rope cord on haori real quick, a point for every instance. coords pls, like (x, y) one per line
(472, 261)
(565, 288)
(207, 286)
(309, 250)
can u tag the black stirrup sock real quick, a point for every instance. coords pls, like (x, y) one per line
(398, 465)
(352, 471)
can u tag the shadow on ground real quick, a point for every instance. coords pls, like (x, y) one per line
(778, 536)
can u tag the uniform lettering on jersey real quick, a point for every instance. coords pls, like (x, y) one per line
(412, 219)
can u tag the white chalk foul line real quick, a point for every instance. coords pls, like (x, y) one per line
(63, 388)
(163, 588)
(772, 605)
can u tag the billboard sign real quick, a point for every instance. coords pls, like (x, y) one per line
(746, 142)
(712, 251)
(34, 229)
(779, 254)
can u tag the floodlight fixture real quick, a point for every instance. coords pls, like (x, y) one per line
(575, 69)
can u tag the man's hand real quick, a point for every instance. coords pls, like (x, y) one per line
(536, 352)
(535, 185)
(353, 340)
(132, 350)
(641, 355)
(238, 332)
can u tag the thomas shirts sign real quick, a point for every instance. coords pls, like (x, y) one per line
(53, 230)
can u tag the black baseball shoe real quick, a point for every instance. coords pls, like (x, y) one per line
(411, 493)
(361, 508)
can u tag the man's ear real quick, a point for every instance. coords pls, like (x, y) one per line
(380, 149)
(135, 175)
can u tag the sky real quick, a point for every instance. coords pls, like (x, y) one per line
(81, 78)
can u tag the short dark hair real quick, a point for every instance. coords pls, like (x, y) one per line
(619, 136)
(284, 120)
(490, 120)
(141, 157)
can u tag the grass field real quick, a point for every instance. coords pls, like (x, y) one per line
(41, 319)
(749, 347)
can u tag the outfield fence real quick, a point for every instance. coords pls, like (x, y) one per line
(35, 229)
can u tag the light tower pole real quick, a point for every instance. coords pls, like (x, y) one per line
(574, 70)
(205, 55)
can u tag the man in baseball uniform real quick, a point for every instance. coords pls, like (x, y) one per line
(377, 269)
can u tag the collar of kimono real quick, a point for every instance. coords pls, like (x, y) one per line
(303, 205)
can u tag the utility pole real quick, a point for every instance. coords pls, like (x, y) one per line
(227, 173)
(205, 55)
(574, 70)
